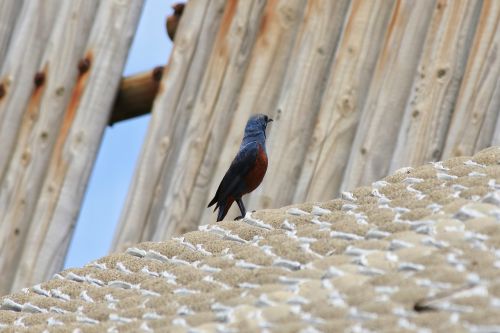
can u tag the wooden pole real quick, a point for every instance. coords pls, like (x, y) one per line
(37, 135)
(441, 68)
(76, 145)
(186, 102)
(259, 94)
(389, 90)
(345, 95)
(19, 85)
(19, 80)
(136, 95)
(171, 112)
(9, 11)
(300, 100)
(473, 123)
(213, 108)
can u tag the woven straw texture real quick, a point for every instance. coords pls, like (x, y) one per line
(418, 250)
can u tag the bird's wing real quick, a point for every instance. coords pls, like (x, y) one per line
(233, 181)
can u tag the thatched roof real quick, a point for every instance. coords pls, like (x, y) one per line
(419, 249)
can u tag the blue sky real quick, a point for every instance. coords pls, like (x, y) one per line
(120, 148)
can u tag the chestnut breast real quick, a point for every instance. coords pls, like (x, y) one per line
(256, 174)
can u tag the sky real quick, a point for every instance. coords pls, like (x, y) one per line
(120, 148)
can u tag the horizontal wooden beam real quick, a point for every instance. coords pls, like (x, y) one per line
(136, 95)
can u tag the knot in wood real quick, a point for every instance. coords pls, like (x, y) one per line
(39, 79)
(84, 65)
(441, 72)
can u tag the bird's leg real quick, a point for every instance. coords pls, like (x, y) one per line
(242, 208)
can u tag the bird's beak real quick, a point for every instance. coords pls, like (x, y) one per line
(269, 120)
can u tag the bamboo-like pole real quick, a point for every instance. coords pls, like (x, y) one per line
(425, 123)
(213, 109)
(9, 11)
(389, 90)
(185, 108)
(22, 59)
(171, 112)
(38, 132)
(19, 80)
(136, 95)
(303, 88)
(344, 98)
(259, 93)
(76, 146)
(473, 123)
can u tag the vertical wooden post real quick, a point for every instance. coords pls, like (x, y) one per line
(213, 108)
(389, 90)
(345, 95)
(425, 123)
(18, 76)
(9, 11)
(300, 100)
(478, 102)
(76, 146)
(259, 94)
(38, 131)
(171, 112)
(18, 81)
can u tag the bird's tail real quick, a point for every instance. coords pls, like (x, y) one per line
(222, 205)
(213, 202)
(221, 214)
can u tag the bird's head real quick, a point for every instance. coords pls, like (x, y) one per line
(257, 123)
(178, 8)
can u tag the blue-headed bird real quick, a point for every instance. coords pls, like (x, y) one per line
(247, 169)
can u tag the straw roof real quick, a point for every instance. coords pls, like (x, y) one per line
(418, 249)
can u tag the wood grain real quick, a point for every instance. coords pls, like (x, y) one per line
(213, 109)
(389, 91)
(345, 95)
(441, 68)
(75, 149)
(473, 124)
(259, 94)
(9, 11)
(171, 112)
(299, 101)
(19, 78)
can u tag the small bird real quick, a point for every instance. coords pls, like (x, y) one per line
(247, 169)
(173, 20)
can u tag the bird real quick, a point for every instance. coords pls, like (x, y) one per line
(173, 20)
(247, 170)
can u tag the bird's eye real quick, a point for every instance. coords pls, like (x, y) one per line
(266, 119)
